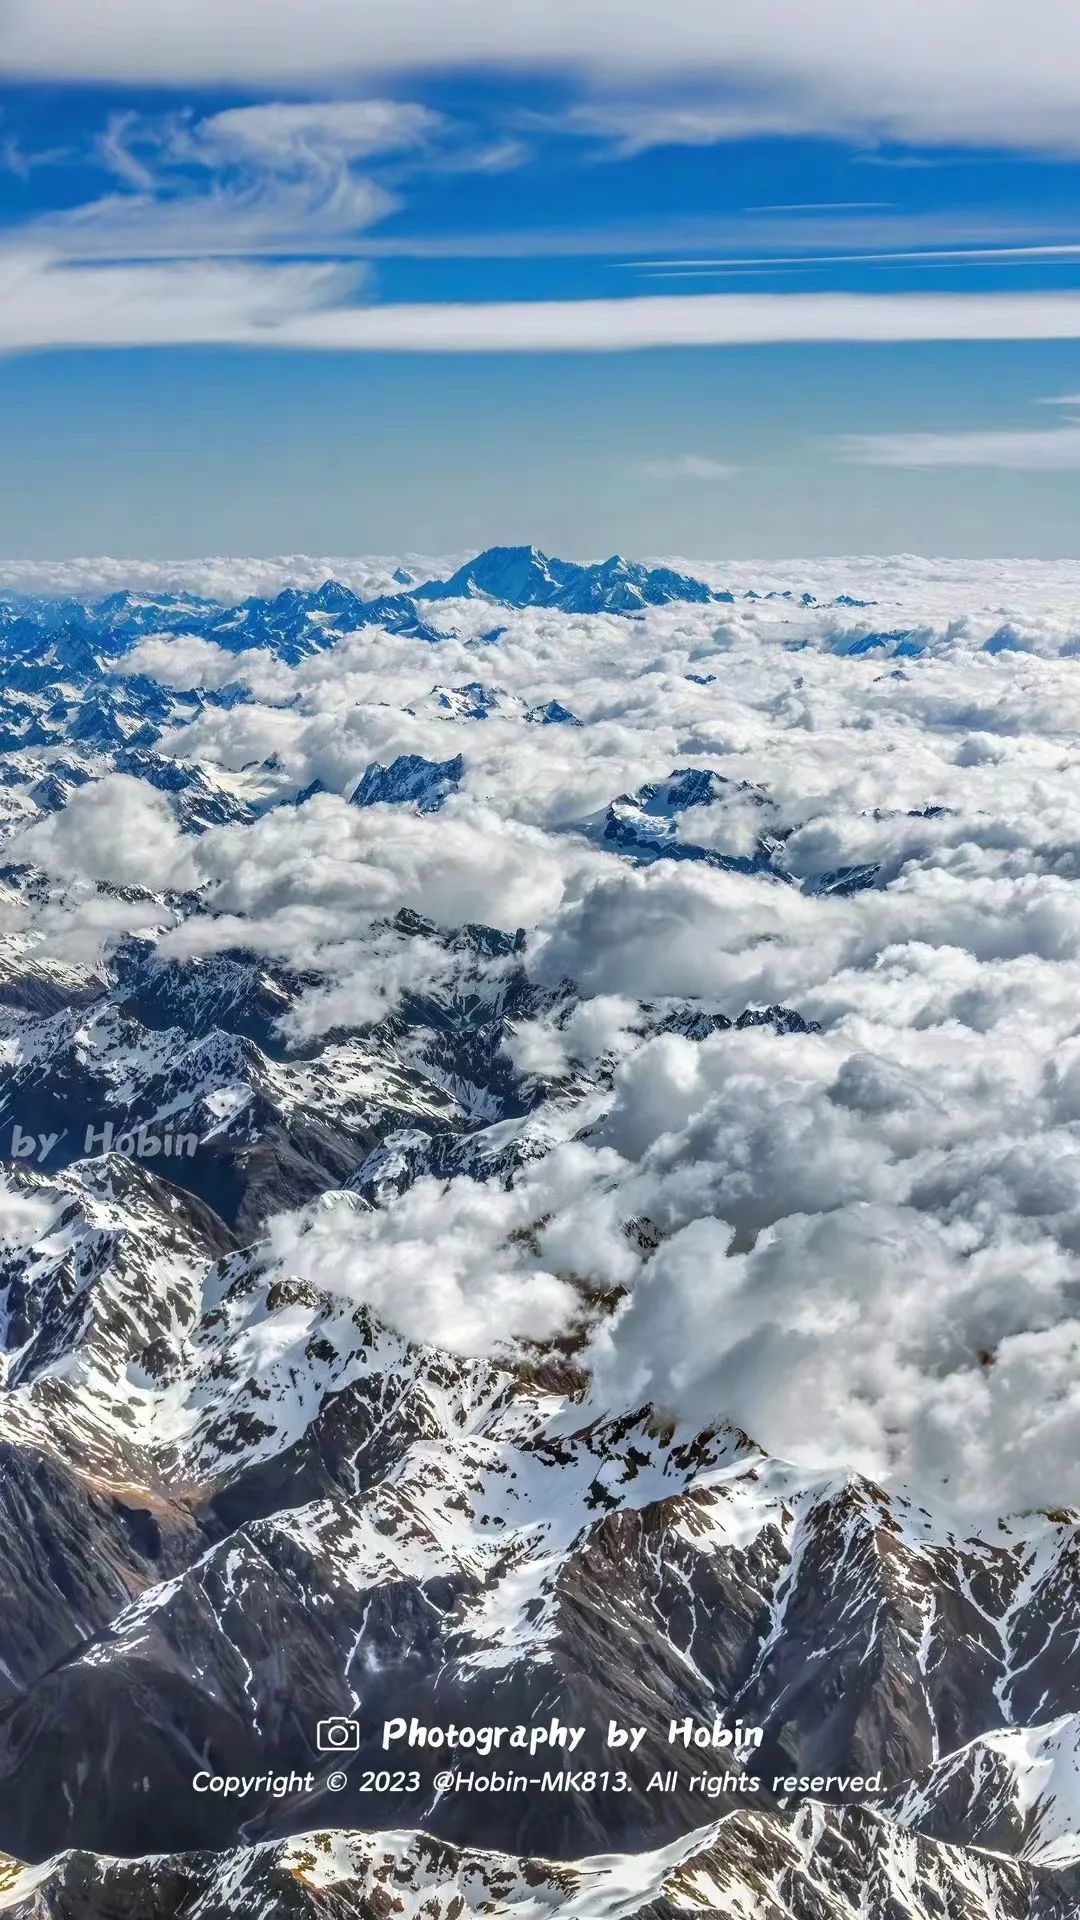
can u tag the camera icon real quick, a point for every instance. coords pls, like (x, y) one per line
(338, 1735)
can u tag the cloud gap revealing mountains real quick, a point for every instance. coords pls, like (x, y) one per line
(538, 1107)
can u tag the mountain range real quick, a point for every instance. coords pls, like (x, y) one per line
(238, 1500)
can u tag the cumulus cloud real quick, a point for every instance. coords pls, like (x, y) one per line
(224, 577)
(187, 660)
(116, 829)
(867, 1236)
(864, 1254)
(508, 1259)
(334, 860)
(25, 1218)
(591, 1032)
(867, 1334)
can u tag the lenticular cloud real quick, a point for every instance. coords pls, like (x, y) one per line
(776, 900)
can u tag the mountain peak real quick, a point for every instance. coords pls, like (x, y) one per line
(528, 577)
(410, 780)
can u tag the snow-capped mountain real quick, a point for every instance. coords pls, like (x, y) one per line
(410, 780)
(525, 577)
(657, 822)
(42, 639)
(1016, 1791)
(509, 1172)
(285, 1512)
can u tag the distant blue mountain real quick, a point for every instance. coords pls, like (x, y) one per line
(525, 577)
(48, 641)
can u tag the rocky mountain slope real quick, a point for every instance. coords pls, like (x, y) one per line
(779, 1867)
(245, 1487)
(237, 1506)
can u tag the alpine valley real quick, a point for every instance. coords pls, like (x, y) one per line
(539, 1106)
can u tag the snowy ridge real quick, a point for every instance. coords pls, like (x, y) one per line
(408, 1525)
(1017, 1791)
(851, 1865)
(512, 1164)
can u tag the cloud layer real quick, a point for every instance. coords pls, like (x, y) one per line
(864, 1239)
(49, 302)
(757, 65)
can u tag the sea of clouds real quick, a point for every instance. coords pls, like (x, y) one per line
(869, 1235)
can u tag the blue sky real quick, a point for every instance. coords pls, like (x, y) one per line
(325, 278)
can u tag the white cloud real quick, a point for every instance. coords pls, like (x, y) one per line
(295, 134)
(186, 660)
(48, 303)
(842, 67)
(302, 880)
(669, 320)
(44, 303)
(279, 176)
(225, 577)
(116, 829)
(492, 1283)
(688, 466)
(1026, 450)
(635, 127)
(867, 1334)
(595, 1029)
(871, 1234)
(25, 1218)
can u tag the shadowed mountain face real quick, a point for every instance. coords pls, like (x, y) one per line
(263, 1465)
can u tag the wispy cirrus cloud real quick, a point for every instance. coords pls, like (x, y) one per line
(278, 175)
(296, 134)
(1022, 449)
(687, 466)
(1055, 450)
(47, 303)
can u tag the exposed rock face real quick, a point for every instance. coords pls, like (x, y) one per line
(235, 1506)
(1015, 1791)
